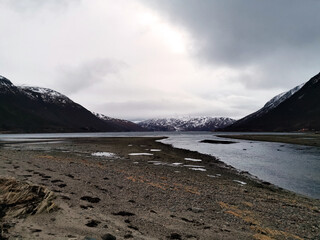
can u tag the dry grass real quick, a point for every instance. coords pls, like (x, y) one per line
(20, 199)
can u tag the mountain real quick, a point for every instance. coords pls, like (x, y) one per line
(35, 109)
(124, 124)
(186, 123)
(297, 109)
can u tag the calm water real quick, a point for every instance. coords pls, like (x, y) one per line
(293, 167)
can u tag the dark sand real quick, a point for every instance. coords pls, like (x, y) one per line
(131, 198)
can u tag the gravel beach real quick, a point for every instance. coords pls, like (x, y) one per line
(138, 188)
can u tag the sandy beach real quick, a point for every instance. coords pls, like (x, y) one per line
(138, 188)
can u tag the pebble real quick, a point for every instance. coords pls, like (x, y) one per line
(175, 236)
(108, 236)
(196, 210)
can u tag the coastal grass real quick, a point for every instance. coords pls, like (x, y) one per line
(308, 139)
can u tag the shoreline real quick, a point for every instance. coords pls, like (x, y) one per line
(307, 139)
(151, 196)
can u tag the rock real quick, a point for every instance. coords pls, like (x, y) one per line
(108, 236)
(93, 223)
(196, 209)
(90, 199)
(175, 236)
(123, 214)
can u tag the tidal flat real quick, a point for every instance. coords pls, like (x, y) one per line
(120, 188)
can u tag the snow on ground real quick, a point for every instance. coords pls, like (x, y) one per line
(176, 163)
(103, 154)
(242, 183)
(193, 159)
(155, 150)
(214, 176)
(140, 154)
(198, 169)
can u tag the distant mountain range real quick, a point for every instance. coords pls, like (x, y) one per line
(295, 110)
(125, 125)
(186, 123)
(34, 109)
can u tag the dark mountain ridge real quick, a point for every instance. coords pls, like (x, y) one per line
(124, 124)
(299, 109)
(34, 109)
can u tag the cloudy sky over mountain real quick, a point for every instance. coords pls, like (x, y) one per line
(138, 59)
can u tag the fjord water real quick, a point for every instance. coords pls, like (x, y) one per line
(292, 167)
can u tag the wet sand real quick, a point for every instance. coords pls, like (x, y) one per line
(158, 192)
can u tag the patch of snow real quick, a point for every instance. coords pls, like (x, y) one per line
(198, 169)
(274, 102)
(140, 154)
(176, 163)
(46, 94)
(103, 154)
(214, 176)
(240, 182)
(193, 159)
(155, 150)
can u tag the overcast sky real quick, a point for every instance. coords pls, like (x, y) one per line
(137, 59)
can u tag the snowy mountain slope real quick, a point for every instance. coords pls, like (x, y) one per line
(46, 94)
(125, 124)
(35, 109)
(297, 109)
(273, 103)
(186, 123)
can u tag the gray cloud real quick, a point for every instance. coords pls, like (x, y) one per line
(234, 56)
(145, 109)
(271, 38)
(73, 79)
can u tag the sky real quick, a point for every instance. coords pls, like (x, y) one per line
(140, 59)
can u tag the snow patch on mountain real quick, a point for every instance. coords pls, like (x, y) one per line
(103, 117)
(186, 123)
(106, 118)
(274, 102)
(46, 94)
(4, 82)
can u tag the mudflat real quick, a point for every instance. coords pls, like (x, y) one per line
(138, 188)
(308, 139)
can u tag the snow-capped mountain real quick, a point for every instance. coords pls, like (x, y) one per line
(297, 109)
(35, 109)
(46, 94)
(186, 123)
(275, 101)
